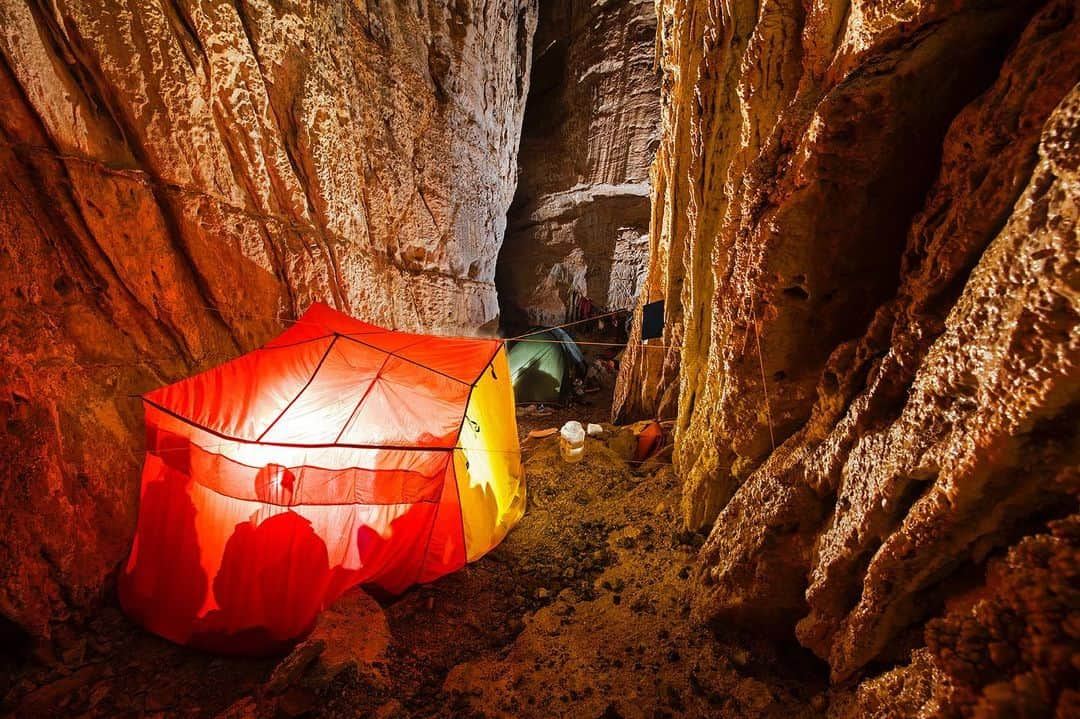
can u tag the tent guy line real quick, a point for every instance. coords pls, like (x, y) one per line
(643, 345)
(226, 357)
(205, 357)
(525, 458)
(569, 324)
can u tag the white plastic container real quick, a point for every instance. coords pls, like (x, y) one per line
(572, 442)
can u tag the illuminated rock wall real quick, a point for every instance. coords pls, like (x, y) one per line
(864, 225)
(179, 175)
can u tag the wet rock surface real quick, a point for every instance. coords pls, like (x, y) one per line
(178, 179)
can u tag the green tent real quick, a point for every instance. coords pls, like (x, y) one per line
(541, 366)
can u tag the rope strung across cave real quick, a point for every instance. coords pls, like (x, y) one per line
(569, 324)
(223, 445)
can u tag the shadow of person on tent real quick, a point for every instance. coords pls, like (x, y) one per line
(393, 558)
(533, 384)
(273, 576)
(163, 585)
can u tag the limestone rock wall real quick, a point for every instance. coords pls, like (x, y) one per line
(579, 222)
(178, 176)
(864, 225)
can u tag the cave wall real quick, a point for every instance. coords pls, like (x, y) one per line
(579, 221)
(180, 178)
(864, 226)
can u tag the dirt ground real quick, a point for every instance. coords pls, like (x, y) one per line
(581, 612)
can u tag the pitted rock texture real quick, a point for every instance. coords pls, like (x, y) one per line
(1013, 652)
(177, 177)
(579, 223)
(1006, 648)
(864, 226)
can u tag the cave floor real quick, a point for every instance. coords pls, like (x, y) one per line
(581, 612)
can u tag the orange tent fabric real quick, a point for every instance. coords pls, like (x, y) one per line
(337, 454)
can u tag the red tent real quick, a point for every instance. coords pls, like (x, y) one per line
(338, 454)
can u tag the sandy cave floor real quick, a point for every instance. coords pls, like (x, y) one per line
(581, 612)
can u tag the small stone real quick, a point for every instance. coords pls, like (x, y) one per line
(356, 635)
(297, 702)
(122, 703)
(674, 699)
(74, 655)
(160, 697)
(611, 712)
(99, 693)
(292, 667)
(392, 709)
(1002, 654)
(243, 708)
(542, 593)
(44, 654)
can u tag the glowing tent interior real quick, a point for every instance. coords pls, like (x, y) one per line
(337, 454)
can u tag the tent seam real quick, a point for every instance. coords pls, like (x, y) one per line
(434, 520)
(457, 441)
(314, 374)
(370, 387)
(256, 500)
(412, 362)
(291, 445)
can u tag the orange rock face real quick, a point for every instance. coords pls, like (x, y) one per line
(864, 226)
(178, 176)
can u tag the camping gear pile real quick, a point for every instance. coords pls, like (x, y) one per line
(645, 445)
(338, 454)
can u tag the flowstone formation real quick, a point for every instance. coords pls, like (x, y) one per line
(179, 178)
(864, 228)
